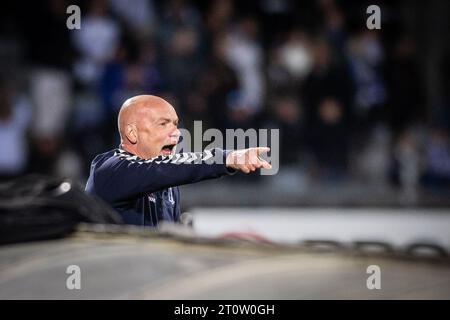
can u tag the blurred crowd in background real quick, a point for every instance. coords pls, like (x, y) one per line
(350, 103)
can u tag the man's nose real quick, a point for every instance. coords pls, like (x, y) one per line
(176, 134)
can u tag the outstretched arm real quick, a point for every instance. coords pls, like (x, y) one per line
(124, 175)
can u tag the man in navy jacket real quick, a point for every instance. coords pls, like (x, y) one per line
(140, 179)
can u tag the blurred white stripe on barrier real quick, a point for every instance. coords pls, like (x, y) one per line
(398, 227)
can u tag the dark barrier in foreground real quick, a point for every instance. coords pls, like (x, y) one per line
(40, 207)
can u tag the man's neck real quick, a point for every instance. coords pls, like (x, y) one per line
(130, 149)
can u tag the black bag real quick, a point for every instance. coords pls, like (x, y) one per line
(38, 207)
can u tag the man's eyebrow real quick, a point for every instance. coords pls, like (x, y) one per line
(167, 119)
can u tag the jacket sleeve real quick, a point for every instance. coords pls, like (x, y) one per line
(123, 175)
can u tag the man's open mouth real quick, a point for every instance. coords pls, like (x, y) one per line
(168, 149)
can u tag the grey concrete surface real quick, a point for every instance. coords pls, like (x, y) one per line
(130, 266)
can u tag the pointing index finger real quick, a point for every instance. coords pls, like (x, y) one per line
(262, 150)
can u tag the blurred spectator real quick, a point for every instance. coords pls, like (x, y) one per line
(276, 17)
(296, 54)
(47, 39)
(96, 41)
(328, 140)
(408, 160)
(128, 74)
(15, 115)
(289, 63)
(245, 56)
(366, 59)
(138, 15)
(406, 96)
(334, 26)
(51, 93)
(89, 131)
(219, 17)
(286, 115)
(437, 170)
(374, 160)
(181, 42)
(217, 82)
(279, 80)
(327, 78)
(51, 55)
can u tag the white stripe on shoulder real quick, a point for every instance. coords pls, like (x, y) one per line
(179, 158)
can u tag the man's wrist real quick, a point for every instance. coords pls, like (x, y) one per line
(229, 168)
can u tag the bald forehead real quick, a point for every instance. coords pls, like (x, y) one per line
(137, 107)
(146, 102)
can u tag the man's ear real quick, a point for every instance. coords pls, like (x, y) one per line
(131, 133)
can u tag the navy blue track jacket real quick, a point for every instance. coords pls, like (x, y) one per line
(146, 192)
